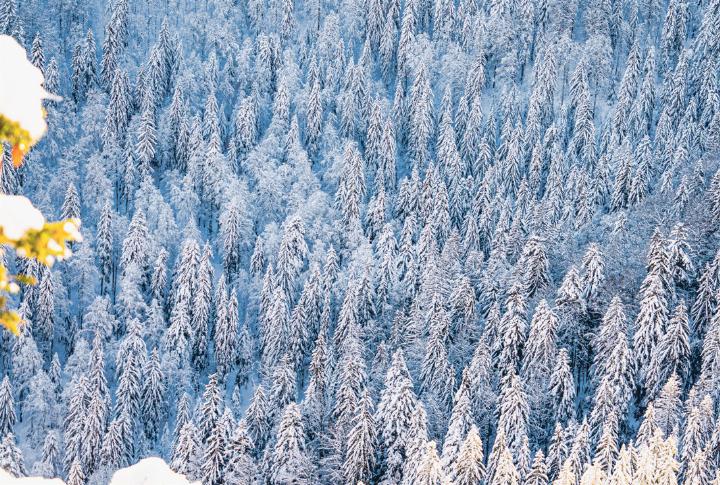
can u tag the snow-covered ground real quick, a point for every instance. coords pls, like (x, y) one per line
(150, 471)
(8, 479)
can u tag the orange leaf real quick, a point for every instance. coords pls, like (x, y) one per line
(17, 155)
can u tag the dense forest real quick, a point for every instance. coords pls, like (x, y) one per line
(446, 242)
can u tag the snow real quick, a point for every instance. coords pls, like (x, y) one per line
(8, 479)
(21, 90)
(150, 471)
(18, 215)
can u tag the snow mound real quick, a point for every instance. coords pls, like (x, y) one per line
(150, 471)
(8, 479)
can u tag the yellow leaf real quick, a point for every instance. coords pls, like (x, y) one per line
(11, 321)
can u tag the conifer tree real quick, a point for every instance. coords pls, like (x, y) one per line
(129, 389)
(352, 187)
(153, 394)
(291, 254)
(284, 386)
(512, 329)
(7, 408)
(214, 455)
(359, 457)
(257, 260)
(650, 323)
(276, 329)
(120, 106)
(135, 245)
(291, 464)
(259, 419)
(562, 388)
(146, 147)
(557, 451)
(681, 264)
(351, 379)
(231, 231)
(240, 467)
(158, 279)
(45, 312)
(505, 471)
(483, 395)
(71, 204)
(185, 452)
(420, 115)
(697, 470)
(47, 467)
(668, 407)
(593, 269)
(579, 455)
(184, 275)
(613, 323)
(314, 117)
(606, 450)
(429, 471)
(513, 412)
(11, 458)
(538, 474)
(461, 420)
(469, 467)
(176, 340)
(540, 349)
(93, 429)
(210, 407)
(226, 336)
(394, 416)
(76, 476)
(693, 435)
(536, 266)
(104, 246)
(672, 354)
(437, 376)
(182, 415)
(113, 452)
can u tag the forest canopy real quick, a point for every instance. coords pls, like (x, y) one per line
(381, 241)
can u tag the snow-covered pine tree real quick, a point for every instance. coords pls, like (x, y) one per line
(394, 415)
(240, 467)
(259, 419)
(289, 456)
(214, 452)
(7, 408)
(469, 467)
(359, 457)
(226, 336)
(562, 389)
(153, 397)
(187, 447)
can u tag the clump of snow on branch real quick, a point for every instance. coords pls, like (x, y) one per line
(21, 88)
(18, 216)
